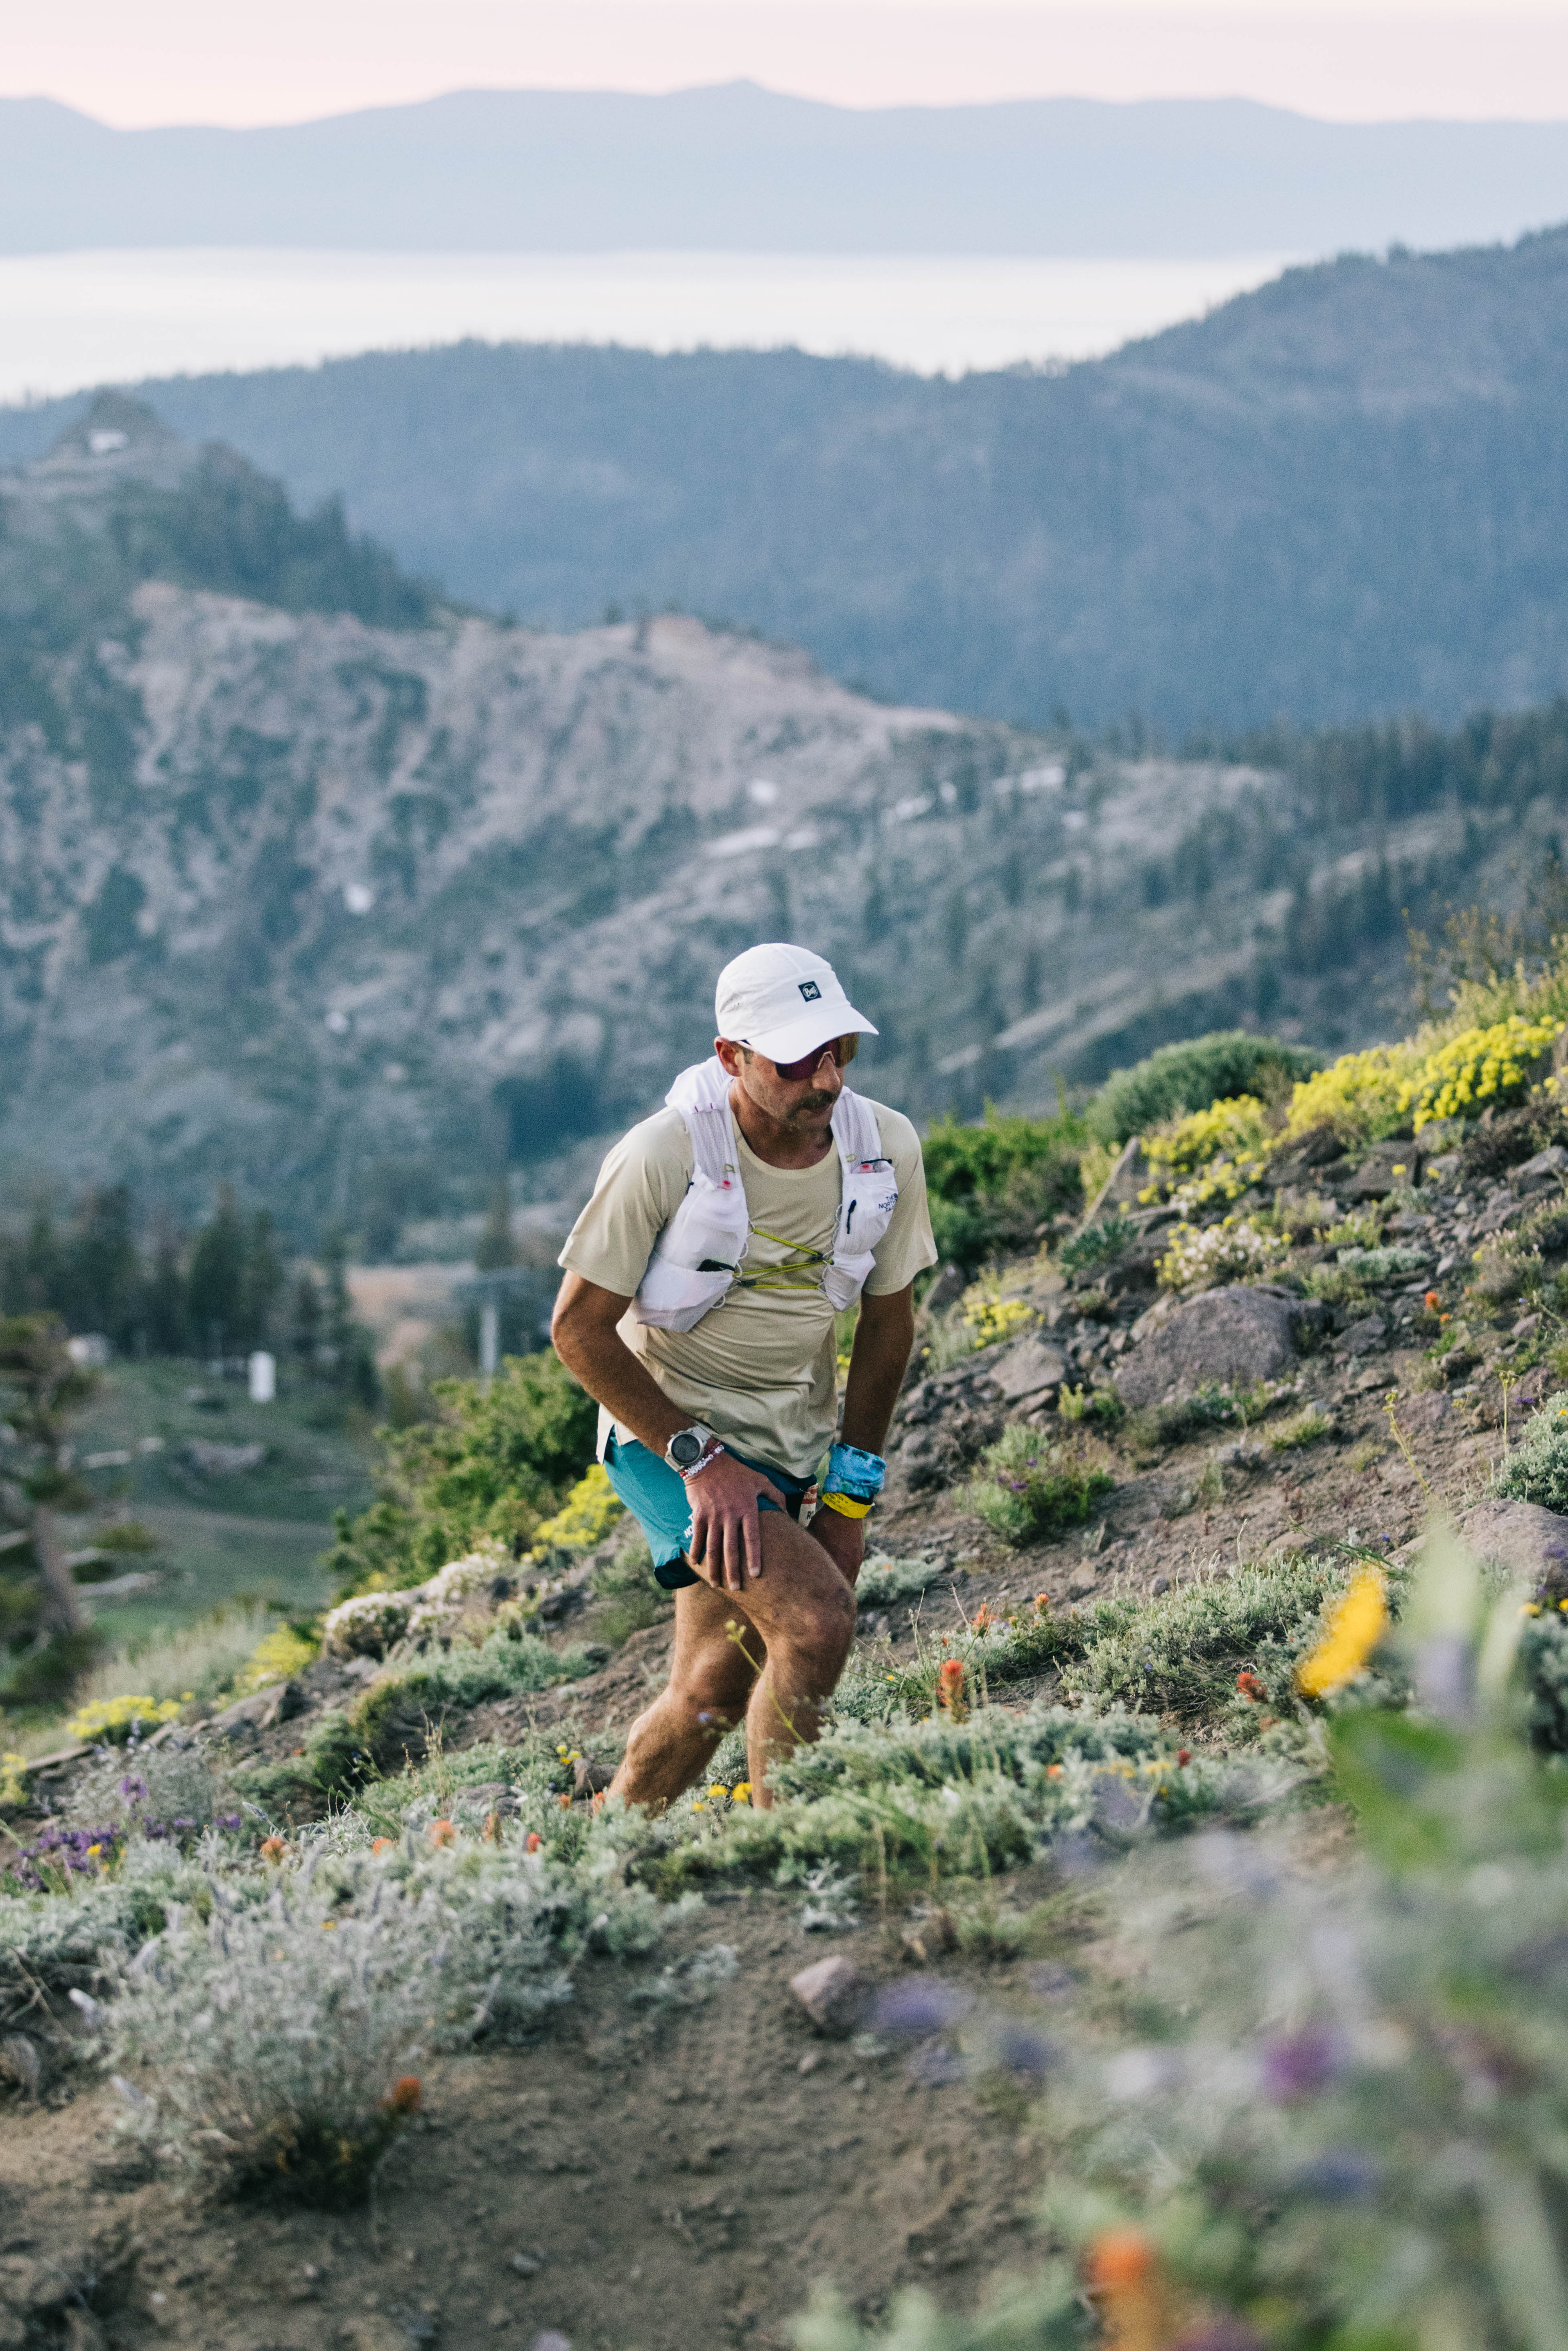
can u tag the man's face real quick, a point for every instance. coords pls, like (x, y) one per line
(802, 1105)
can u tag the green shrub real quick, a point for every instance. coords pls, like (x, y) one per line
(623, 1582)
(1212, 1406)
(1180, 1654)
(990, 1185)
(1392, 1263)
(322, 1991)
(1097, 1243)
(1188, 1077)
(1306, 1428)
(1537, 1468)
(1026, 1487)
(883, 1580)
(1543, 1669)
(1102, 1405)
(496, 1463)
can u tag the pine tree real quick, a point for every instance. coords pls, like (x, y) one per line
(215, 1290)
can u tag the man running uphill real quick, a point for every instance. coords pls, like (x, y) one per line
(697, 1308)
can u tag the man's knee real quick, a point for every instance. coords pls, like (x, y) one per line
(820, 1633)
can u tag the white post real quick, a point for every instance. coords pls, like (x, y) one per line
(489, 1336)
(263, 1377)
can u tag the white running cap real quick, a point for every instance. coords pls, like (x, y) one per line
(783, 1000)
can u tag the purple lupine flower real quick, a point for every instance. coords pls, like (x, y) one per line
(1300, 2063)
(1026, 2054)
(918, 2006)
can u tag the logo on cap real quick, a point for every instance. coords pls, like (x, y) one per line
(810, 990)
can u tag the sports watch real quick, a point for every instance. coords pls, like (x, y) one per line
(687, 1448)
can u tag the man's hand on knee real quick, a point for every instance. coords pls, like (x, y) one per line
(725, 1546)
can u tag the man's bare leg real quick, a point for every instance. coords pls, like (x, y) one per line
(795, 1624)
(670, 1745)
(805, 1614)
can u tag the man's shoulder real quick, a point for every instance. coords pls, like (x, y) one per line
(661, 1140)
(900, 1139)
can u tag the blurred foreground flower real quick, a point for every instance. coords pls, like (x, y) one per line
(1354, 1630)
(950, 1687)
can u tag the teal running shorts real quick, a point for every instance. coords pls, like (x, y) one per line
(657, 1498)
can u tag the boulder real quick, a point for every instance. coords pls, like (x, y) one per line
(280, 1703)
(833, 1993)
(1519, 1536)
(1222, 1335)
(1362, 1337)
(1026, 1370)
(1388, 1167)
(1544, 1173)
(1318, 1148)
(1420, 1415)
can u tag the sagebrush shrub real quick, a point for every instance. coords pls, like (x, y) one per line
(1026, 1487)
(1180, 1652)
(272, 2043)
(1537, 1468)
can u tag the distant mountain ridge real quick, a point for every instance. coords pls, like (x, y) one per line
(1344, 495)
(740, 169)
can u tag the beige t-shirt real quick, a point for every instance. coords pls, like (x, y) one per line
(760, 1368)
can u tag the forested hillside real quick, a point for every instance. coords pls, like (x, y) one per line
(313, 884)
(1340, 497)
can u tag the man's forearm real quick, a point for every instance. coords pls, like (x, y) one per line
(883, 1337)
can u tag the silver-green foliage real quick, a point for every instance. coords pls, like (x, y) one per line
(961, 1799)
(1331, 2098)
(1537, 1469)
(1180, 1653)
(274, 2017)
(883, 1580)
(1026, 1487)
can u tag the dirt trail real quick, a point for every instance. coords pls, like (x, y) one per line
(677, 2178)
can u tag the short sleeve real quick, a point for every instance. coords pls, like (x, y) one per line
(640, 1187)
(906, 1247)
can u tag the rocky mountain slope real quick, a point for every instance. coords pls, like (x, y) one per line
(696, 2123)
(306, 876)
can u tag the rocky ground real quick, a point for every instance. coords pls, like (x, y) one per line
(643, 2175)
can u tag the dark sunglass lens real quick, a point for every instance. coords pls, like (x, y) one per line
(842, 1049)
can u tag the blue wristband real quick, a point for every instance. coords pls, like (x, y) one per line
(850, 1471)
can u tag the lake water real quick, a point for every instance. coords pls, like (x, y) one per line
(74, 318)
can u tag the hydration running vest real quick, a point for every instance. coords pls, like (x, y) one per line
(697, 1256)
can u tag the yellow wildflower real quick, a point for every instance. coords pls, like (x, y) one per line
(741, 1793)
(1354, 1629)
(718, 1790)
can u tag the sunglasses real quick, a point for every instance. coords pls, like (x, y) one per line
(842, 1049)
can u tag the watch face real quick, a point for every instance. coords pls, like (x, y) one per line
(685, 1448)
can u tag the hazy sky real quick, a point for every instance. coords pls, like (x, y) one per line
(151, 61)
